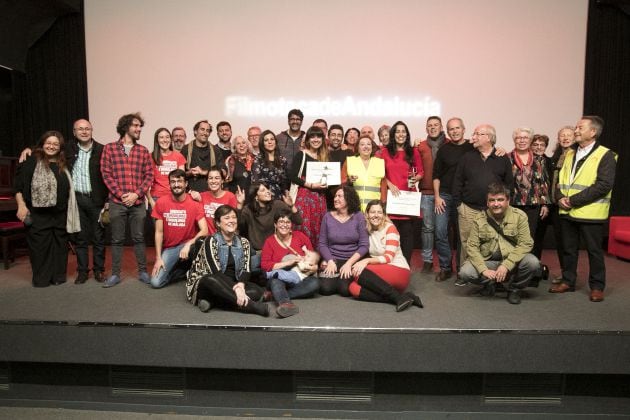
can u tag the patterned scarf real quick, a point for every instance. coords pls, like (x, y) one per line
(43, 186)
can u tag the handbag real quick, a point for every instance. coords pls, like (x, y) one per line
(293, 190)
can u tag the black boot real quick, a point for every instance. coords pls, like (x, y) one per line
(404, 301)
(416, 300)
(375, 284)
(258, 308)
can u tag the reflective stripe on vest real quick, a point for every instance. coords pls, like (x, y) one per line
(584, 178)
(368, 183)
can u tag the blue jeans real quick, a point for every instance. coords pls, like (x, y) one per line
(283, 292)
(441, 232)
(170, 256)
(427, 205)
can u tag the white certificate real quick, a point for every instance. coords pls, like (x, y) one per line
(328, 173)
(406, 204)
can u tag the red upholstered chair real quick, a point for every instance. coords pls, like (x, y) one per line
(619, 237)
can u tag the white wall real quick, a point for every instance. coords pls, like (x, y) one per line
(506, 62)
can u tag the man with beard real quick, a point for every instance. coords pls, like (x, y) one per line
(290, 141)
(201, 155)
(127, 170)
(179, 221)
(499, 247)
(178, 135)
(224, 133)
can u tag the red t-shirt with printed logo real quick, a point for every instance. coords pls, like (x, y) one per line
(171, 162)
(211, 204)
(179, 219)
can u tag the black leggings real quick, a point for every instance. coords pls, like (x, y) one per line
(331, 285)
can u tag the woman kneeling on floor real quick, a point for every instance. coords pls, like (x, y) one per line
(221, 269)
(384, 276)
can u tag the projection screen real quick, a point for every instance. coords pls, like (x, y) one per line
(510, 63)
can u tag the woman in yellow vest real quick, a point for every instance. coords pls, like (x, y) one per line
(366, 173)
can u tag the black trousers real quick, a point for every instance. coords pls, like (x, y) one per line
(553, 220)
(217, 289)
(406, 230)
(591, 234)
(91, 232)
(48, 246)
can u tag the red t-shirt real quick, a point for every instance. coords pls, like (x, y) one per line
(171, 162)
(273, 252)
(397, 169)
(211, 204)
(179, 219)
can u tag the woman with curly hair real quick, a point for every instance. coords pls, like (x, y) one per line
(343, 241)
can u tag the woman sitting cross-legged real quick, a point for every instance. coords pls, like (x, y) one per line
(220, 271)
(384, 276)
(285, 249)
(343, 240)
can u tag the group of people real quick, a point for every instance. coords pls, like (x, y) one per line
(239, 221)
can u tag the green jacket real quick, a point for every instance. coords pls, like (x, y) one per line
(484, 240)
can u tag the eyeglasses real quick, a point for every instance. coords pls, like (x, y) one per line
(521, 138)
(479, 134)
(283, 222)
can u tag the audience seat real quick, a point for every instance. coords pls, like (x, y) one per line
(619, 236)
(10, 232)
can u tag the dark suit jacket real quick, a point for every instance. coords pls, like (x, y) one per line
(99, 190)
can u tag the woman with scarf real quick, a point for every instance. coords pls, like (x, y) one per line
(47, 206)
(239, 165)
(531, 182)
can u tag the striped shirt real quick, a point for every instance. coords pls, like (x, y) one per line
(81, 171)
(385, 245)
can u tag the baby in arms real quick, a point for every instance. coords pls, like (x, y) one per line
(301, 270)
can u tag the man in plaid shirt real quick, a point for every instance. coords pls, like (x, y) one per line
(128, 173)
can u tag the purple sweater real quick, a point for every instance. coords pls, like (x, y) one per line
(341, 240)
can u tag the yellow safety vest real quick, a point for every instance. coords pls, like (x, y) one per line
(584, 178)
(368, 183)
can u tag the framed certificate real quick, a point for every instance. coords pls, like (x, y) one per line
(406, 204)
(328, 173)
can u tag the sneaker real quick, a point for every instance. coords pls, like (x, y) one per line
(427, 267)
(204, 305)
(81, 278)
(287, 309)
(98, 276)
(112, 281)
(461, 282)
(514, 297)
(144, 277)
